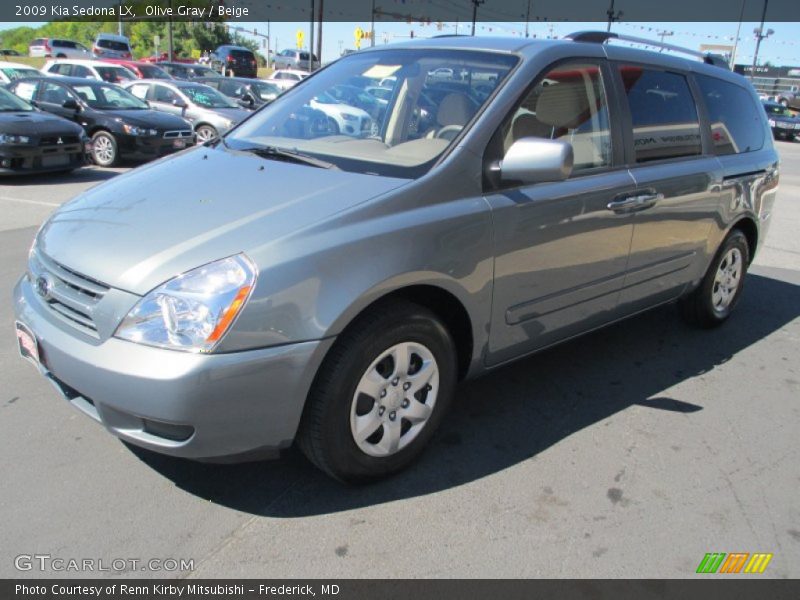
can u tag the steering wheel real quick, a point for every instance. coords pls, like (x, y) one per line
(449, 129)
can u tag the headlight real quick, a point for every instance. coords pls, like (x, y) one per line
(14, 139)
(134, 130)
(772, 122)
(193, 311)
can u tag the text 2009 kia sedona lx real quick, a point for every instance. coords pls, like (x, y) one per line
(329, 269)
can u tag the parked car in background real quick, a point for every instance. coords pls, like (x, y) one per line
(9, 52)
(33, 141)
(295, 59)
(142, 70)
(187, 71)
(58, 48)
(10, 71)
(250, 93)
(236, 60)
(789, 98)
(286, 78)
(344, 118)
(784, 123)
(109, 45)
(210, 112)
(89, 69)
(119, 124)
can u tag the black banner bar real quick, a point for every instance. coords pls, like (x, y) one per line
(416, 11)
(734, 588)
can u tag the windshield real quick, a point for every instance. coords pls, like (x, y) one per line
(331, 117)
(115, 74)
(777, 109)
(108, 97)
(9, 102)
(16, 73)
(207, 97)
(151, 72)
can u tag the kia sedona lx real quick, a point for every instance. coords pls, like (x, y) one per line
(292, 281)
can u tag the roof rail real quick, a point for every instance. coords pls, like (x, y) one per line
(601, 37)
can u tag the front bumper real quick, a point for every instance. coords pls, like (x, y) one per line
(24, 159)
(200, 406)
(149, 147)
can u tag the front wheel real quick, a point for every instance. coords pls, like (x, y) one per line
(713, 301)
(104, 149)
(380, 394)
(206, 133)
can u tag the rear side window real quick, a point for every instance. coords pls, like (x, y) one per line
(64, 44)
(736, 124)
(663, 114)
(113, 45)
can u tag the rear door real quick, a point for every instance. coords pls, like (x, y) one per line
(677, 183)
(560, 253)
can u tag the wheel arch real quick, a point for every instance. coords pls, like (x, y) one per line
(750, 230)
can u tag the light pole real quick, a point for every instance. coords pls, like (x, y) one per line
(664, 34)
(760, 35)
(736, 39)
(475, 5)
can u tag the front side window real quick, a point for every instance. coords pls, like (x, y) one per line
(164, 94)
(152, 72)
(139, 90)
(331, 117)
(52, 93)
(115, 74)
(663, 114)
(569, 103)
(736, 124)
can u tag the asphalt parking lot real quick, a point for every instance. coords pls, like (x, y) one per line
(629, 453)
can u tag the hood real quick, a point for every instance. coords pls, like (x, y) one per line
(150, 118)
(142, 228)
(783, 118)
(37, 124)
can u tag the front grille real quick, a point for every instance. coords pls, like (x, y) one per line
(53, 140)
(72, 297)
(183, 133)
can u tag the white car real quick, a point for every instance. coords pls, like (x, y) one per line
(286, 78)
(89, 69)
(58, 48)
(345, 119)
(9, 71)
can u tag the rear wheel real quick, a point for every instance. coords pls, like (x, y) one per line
(713, 301)
(104, 149)
(380, 394)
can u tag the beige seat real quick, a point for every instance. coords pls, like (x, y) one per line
(455, 111)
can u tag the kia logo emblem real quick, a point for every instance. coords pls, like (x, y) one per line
(43, 287)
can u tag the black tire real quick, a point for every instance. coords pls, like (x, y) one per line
(698, 308)
(325, 434)
(105, 152)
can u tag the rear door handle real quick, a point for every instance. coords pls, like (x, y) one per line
(634, 203)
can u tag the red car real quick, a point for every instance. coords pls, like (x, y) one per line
(143, 70)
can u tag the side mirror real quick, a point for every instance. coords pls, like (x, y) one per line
(536, 160)
(70, 104)
(179, 103)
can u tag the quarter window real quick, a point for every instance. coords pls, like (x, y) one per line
(736, 124)
(569, 103)
(663, 114)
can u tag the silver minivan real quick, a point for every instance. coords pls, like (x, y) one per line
(287, 282)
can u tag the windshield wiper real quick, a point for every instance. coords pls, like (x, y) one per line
(275, 153)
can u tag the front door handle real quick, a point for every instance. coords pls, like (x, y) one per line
(634, 203)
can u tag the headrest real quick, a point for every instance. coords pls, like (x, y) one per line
(455, 109)
(563, 105)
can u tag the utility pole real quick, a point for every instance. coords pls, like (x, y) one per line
(612, 16)
(319, 35)
(760, 35)
(663, 34)
(170, 51)
(475, 5)
(311, 40)
(736, 39)
(527, 19)
(269, 39)
(372, 26)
